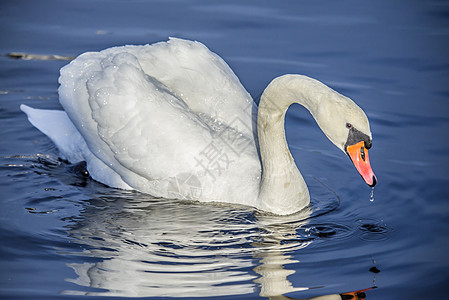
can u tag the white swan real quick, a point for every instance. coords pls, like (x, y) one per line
(172, 120)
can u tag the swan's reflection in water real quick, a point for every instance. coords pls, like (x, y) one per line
(140, 247)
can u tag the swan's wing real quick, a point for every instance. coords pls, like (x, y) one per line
(136, 125)
(201, 78)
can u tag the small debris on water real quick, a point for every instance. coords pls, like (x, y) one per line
(28, 56)
(374, 269)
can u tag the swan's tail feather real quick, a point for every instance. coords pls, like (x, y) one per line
(72, 146)
(58, 127)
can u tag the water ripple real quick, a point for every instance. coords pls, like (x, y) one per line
(372, 230)
(177, 248)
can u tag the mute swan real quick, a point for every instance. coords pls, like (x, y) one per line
(172, 120)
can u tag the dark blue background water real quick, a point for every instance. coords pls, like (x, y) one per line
(62, 233)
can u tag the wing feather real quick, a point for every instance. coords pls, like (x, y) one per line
(149, 112)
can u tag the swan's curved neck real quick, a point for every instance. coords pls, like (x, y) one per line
(283, 189)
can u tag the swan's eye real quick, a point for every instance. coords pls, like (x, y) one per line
(348, 125)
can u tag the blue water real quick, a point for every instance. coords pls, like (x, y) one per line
(65, 236)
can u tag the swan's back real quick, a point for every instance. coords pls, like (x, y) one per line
(168, 118)
(201, 78)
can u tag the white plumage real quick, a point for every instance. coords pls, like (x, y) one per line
(172, 120)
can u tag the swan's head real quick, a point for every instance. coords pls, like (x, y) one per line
(346, 125)
(341, 120)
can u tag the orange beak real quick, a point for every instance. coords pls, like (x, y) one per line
(359, 156)
(357, 295)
